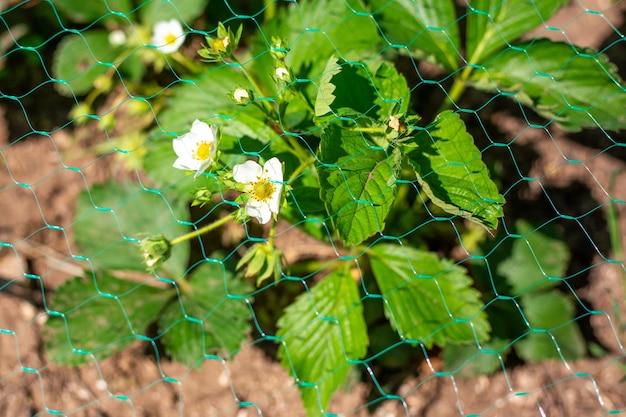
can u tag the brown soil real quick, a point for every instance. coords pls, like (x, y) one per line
(41, 176)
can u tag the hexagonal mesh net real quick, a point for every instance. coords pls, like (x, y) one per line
(312, 207)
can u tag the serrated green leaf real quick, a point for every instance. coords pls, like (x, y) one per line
(345, 86)
(428, 299)
(181, 10)
(357, 183)
(210, 316)
(393, 93)
(111, 217)
(428, 28)
(380, 90)
(451, 172)
(206, 98)
(325, 94)
(99, 317)
(323, 331)
(80, 59)
(554, 333)
(494, 24)
(315, 30)
(81, 11)
(571, 86)
(536, 260)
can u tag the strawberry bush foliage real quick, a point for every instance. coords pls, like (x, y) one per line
(298, 115)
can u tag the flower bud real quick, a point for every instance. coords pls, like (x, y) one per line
(117, 37)
(282, 74)
(278, 50)
(155, 250)
(222, 46)
(241, 96)
(202, 197)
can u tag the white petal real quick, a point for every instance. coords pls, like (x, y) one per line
(274, 170)
(258, 210)
(274, 203)
(214, 147)
(202, 130)
(182, 146)
(186, 164)
(202, 166)
(247, 172)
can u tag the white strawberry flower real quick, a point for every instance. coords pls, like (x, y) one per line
(264, 187)
(168, 36)
(196, 149)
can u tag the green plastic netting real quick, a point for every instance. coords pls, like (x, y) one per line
(312, 207)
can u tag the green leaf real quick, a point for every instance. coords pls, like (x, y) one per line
(537, 259)
(323, 332)
(132, 68)
(210, 316)
(393, 93)
(181, 10)
(451, 172)
(111, 218)
(494, 24)
(81, 59)
(428, 300)
(325, 94)
(315, 30)
(381, 90)
(99, 317)
(469, 360)
(553, 332)
(571, 86)
(357, 183)
(344, 85)
(81, 11)
(428, 28)
(206, 98)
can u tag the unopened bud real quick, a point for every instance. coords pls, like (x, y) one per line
(282, 74)
(278, 49)
(155, 250)
(242, 96)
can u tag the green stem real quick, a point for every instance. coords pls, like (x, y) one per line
(217, 223)
(305, 100)
(305, 163)
(257, 88)
(272, 235)
(457, 89)
(367, 129)
(186, 62)
(270, 9)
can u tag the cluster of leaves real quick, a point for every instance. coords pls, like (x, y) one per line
(342, 122)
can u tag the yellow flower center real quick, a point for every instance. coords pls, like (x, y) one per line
(170, 38)
(262, 189)
(203, 151)
(220, 44)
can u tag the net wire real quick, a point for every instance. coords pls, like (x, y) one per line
(53, 163)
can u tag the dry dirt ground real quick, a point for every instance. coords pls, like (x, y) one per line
(37, 197)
